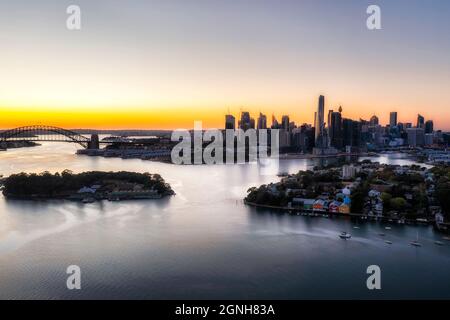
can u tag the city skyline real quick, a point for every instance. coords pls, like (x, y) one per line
(158, 67)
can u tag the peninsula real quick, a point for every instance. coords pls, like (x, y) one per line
(87, 186)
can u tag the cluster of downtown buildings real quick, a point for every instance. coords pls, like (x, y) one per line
(336, 134)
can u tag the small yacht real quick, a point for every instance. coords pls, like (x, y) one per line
(388, 242)
(345, 235)
(355, 227)
(388, 228)
(439, 243)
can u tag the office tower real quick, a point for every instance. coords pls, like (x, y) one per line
(408, 125)
(319, 121)
(230, 122)
(416, 136)
(245, 122)
(374, 121)
(262, 121)
(351, 132)
(347, 127)
(393, 119)
(275, 124)
(420, 121)
(285, 123)
(429, 139)
(335, 130)
(330, 112)
(429, 126)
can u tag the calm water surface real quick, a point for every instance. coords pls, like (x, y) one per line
(201, 243)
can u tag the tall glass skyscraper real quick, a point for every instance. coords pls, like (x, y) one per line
(318, 122)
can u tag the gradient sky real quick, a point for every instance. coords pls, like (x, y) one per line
(165, 63)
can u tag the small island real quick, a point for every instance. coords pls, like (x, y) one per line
(366, 190)
(87, 186)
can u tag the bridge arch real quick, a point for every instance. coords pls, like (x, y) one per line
(43, 133)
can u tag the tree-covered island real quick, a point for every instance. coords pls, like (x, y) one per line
(388, 191)
(87, 186)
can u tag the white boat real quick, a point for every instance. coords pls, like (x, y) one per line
(388, 228)
(355, 227)
(439, 243)
(388, 242)
(345, 235)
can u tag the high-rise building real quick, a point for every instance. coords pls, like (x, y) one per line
(245, 122)
(351, 132)
(318, 123)
(262, 121)
(393, 119)
(330, 112)
(335, 130)
(416, 136)
(429, 126)
(275, 124)
(230, 122)
(420, 121)
(374, 121)
(285, 122)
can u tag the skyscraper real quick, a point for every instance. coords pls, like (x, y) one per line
(420, 121)
(393, 119)
(285, 122)
(335, 130)
(230, 122)
(245, 122)
(429, 126)
(319, 121)
(275, 124)
(262, 121)
(374, 120)
(416, 137)
(330, 112)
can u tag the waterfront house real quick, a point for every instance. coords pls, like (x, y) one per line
(307, 204)
(334, 206)
(344, 208)
(319, 205)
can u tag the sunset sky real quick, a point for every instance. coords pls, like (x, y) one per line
(162, 64)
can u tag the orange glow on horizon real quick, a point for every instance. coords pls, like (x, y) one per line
(170, 118)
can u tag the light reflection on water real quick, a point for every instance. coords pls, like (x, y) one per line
(201, 243)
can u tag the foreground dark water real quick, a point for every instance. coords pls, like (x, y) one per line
(201, 243)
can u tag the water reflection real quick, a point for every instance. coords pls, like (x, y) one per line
(203, 242)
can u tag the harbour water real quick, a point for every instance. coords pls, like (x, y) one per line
(201, 243)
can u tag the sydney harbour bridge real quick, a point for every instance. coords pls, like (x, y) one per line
(48, 133)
